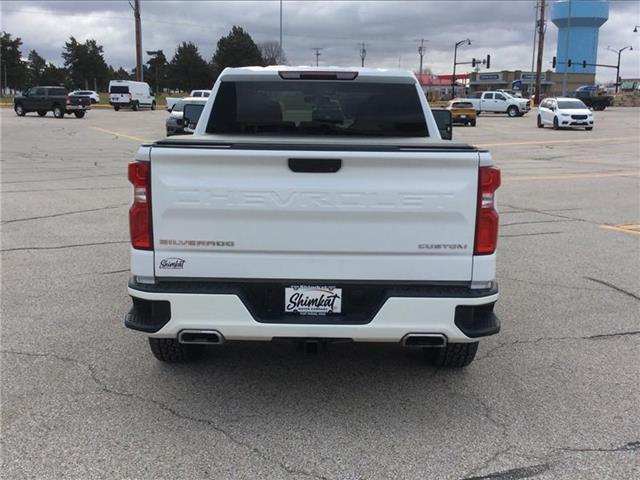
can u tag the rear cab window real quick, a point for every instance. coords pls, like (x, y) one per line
(56, 92)
(317, 107)
(488, 96)
(119, 89)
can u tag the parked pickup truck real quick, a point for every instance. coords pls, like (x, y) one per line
(171, 101)
(594, 100)
(314, 205)
(499, 102)
(50, 99)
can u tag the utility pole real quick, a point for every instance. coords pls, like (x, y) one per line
(566, 54)
(281, 49)
(533, 53)
(136, 15)
(317, 50)
(421, 53)
(540, 50)
(363, 53)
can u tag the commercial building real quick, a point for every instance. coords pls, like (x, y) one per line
(550, 82)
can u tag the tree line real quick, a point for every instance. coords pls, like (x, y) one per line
(85, 66)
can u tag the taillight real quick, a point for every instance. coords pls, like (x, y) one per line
(140, 211)
(486, 214)
(68, 101)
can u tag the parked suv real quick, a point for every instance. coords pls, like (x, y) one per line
(93, 95)
(174, 124)
(50, 99)
(561, 112)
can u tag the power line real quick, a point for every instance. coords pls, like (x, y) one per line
(317, 50)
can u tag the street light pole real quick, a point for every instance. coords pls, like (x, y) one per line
(455, 62)
(619, 53)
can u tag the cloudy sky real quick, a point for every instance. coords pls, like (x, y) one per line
(390, 29)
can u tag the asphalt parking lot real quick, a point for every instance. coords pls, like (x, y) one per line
(555, 395)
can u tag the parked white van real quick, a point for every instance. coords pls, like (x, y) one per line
(135, 95)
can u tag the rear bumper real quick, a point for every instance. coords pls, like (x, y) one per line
(457, 312)
(75, 108)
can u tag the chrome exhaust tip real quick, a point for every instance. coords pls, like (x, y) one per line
(200, 337)
(433, 340)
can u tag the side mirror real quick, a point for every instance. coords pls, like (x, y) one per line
(443, 120)
(191, 115)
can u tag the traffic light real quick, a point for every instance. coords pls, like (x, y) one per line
(473, 62)
(488, 65)
(553, 62)
(569, 63)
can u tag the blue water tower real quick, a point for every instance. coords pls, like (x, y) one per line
(578, 22)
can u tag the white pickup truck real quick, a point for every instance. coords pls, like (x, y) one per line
(315, 206)
(499, 102)
(171, 101)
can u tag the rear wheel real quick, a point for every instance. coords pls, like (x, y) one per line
(79, 114)
(116, 107)
(19, 109)
(171, 351)
(556, 126)
(454, 355)
(42, 113)
(58, 112)
(473, 123)
(540, 124)
(513, 111)
(153, 105)
(134, 107)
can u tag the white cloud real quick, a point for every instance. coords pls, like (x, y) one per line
(391, 30)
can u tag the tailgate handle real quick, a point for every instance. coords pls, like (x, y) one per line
(315, 165)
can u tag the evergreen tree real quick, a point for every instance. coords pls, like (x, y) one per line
(236, 50)
(188, 70)
(85, 62)
(13, 68)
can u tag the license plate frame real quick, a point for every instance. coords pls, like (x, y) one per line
(313, 300)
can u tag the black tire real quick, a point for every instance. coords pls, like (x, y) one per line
(472, 123)
(58, 112)
(153, 105)
(540, 124)
(19, 109)
(454, 355)
(116, 107)
(588, 129)
(513, 111)
(42, 113)
(134, 106)
(79, 114)
(171, 351)
(556, 126)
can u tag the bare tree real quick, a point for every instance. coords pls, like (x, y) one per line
(272, 53)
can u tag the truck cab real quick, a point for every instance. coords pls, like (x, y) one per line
(499, 102)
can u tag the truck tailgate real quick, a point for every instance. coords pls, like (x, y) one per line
(244, 213)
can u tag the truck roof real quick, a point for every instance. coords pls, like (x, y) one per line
(274, 71)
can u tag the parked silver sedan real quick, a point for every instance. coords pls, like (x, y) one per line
(174, 123)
